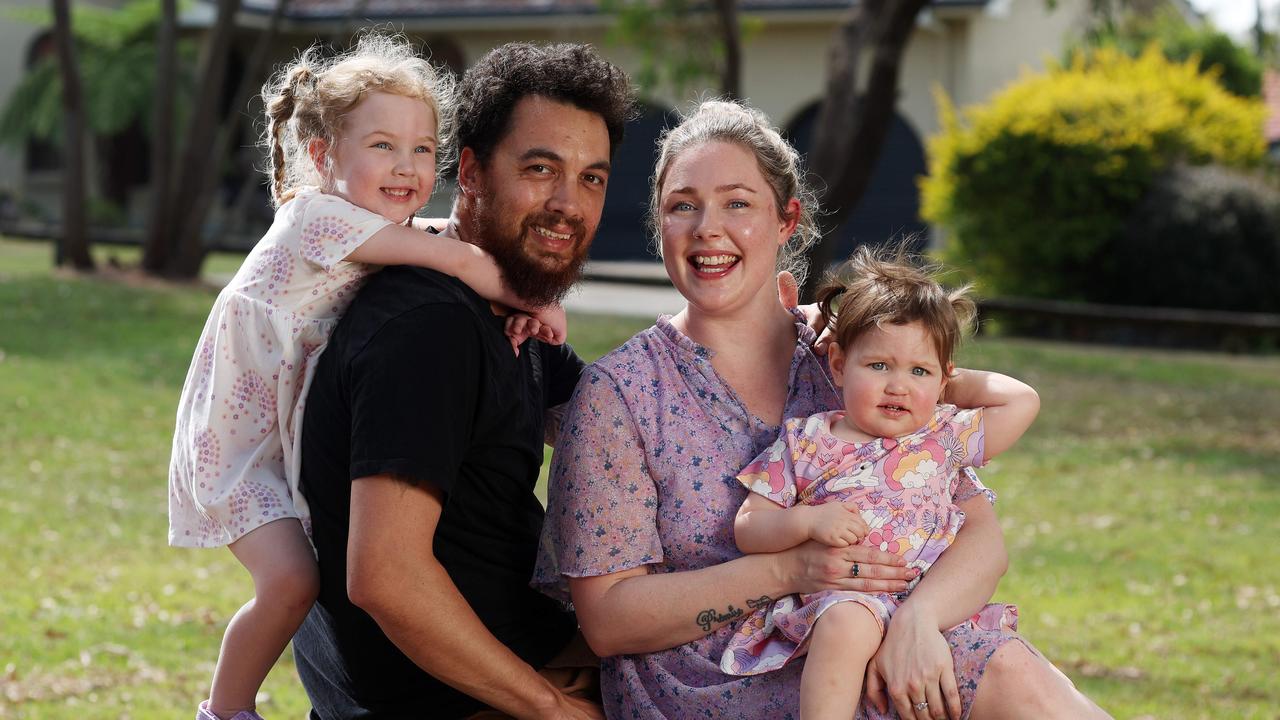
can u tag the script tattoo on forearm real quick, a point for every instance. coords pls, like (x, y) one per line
(709, 617)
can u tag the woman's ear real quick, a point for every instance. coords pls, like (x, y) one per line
(835, 360)
(791, 218)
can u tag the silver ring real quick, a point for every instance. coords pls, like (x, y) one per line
(922, 705)
(856, 570)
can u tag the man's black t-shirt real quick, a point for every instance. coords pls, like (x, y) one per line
(419, 381)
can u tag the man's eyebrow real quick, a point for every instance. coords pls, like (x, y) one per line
(553, 156)
(544, 153)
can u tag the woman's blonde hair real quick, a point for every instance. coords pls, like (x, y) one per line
(309, 98)
(750, 129)
(889, 285)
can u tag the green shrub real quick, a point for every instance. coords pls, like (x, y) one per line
(1233, 66)
(1203, 237)
(1036, 186)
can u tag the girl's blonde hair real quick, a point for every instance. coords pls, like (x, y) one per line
(889, 285)
(309, 99)
(779, 163)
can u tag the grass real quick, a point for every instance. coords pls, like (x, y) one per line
(1141, 512)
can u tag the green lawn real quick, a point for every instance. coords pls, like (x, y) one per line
(1141, 512)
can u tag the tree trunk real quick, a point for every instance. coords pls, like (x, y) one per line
(731, 73)
(192, 256)
(74, 243)
(155, 253)
(853, 123)
(197, 164)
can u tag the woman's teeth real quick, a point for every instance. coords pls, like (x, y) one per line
(714, 263)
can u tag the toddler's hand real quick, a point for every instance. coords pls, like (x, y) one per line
(837, 524)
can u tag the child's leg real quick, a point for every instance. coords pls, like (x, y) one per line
(285, 584)
(844, 639)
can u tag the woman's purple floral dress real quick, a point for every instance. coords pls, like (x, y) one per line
(645, 474)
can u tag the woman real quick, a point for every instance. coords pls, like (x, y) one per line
(643, 495)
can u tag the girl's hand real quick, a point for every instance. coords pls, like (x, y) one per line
(914, 664)
(547, 325)
(837, 524)
(554, 326)
(811, 566)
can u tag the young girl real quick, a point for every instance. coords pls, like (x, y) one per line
(882, 471)
(355, 143)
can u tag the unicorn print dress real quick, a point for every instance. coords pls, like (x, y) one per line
(904, 488)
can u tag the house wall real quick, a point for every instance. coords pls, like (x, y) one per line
(15, 41)
(969, 53)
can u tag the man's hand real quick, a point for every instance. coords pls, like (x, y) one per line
(568, 707)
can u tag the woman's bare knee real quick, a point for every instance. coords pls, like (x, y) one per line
(1018, 683)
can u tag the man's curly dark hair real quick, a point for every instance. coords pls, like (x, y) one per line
(569, 73)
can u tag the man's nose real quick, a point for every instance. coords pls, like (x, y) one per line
(565, 199)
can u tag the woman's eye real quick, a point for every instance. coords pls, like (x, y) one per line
(682, 206)
(738, 204)
(878, 366)
(422, 149)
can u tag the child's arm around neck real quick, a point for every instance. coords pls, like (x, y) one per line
(400, 245)
(1010, 405)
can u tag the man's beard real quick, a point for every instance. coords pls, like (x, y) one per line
(524, 274)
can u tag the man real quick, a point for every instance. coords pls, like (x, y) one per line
(424, 432)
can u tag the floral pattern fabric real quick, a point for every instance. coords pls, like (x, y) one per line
(903, 488)
(235, 459)
(645, 474)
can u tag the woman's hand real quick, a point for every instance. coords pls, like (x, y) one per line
(812, 566)
(789, 296)
(914, 665)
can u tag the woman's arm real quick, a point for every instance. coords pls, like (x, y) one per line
(1011, 405)
(635, 611)
(914, 661)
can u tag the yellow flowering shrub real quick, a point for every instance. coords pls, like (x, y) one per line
(1036, 185)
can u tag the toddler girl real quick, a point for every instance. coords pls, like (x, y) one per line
(883, 471)
(355, 144)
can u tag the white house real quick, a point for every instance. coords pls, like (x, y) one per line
(968, 48)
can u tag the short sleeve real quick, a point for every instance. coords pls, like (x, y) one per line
(965, 427)
(967, 485)
(601, 500)
(561, 369)
(773, 474)
(330, 229)
(400, 383)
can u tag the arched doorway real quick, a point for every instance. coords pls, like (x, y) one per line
(890, 208)
(622, 233)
